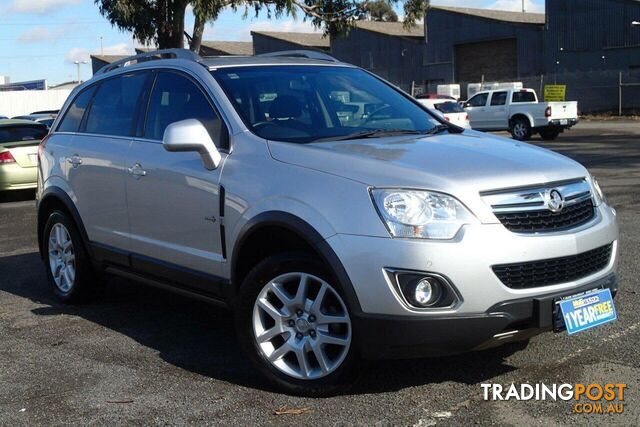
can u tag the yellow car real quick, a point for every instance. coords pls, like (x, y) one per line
(19, 141)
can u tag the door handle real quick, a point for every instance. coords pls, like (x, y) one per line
(137, 171)
(74, 160)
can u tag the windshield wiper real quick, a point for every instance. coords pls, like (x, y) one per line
(376, 133)
(438, 129)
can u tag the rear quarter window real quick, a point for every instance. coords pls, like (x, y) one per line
(73, 116)
(524, 96)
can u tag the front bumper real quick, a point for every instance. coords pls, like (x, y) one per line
(389, 327)
(382, 337)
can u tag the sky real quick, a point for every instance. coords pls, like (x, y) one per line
(41, 39)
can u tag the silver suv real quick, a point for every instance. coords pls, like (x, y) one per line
(337, 216)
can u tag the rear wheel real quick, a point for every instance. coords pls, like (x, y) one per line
(295, 327)
(68, 267)
(520, 129)
(549, 134)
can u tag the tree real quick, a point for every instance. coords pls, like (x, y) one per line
(162, 21)
(381, 10)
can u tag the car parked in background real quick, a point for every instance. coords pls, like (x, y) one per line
(449, 109)
(19, 141)
(45, 118)
(520, 112)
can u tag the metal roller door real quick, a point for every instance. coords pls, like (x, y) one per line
(495, 59)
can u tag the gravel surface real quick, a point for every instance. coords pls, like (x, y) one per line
(142, 356)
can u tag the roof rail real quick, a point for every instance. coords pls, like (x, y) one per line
(311, 54)
(150, 56)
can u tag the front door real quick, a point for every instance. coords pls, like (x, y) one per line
(497, 111)
(173, 201)
(476, 108)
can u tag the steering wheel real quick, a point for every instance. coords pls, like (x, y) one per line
(371, 116)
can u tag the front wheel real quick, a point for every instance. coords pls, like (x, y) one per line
(294, 325)
(520, 129)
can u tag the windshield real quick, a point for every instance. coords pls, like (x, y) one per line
(307, 103)
(449, 107)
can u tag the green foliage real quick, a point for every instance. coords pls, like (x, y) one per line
(161, 22)
(380, 10)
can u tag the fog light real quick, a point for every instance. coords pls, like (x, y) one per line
(423, 292)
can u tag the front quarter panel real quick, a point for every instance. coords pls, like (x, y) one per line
(255, 183)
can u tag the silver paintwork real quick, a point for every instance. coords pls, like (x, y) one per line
(167, 213)
(191, 135)
(302, 323)
(62, 258)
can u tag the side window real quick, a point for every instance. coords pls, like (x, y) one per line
(174, 98)
(114, 106)
(73, 117)
(499, 98)
(480, 100)
(523, 96)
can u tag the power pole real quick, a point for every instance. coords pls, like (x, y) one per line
(101, 49)
(522, 6)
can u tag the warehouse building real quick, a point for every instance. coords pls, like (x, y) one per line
(468, 45)
(274, 41)
(591, 35)
(387, 49)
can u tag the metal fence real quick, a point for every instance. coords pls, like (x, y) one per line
(611, 91)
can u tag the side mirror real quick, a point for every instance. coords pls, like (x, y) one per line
(191, 135)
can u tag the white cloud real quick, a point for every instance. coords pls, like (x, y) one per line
(81, 54)
(119, 49)
(516, 6)
(35, 35)
(76, 54)
(40, 6)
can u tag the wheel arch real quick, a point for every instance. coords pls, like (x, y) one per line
(525, 116)
(307, 238)
(55, 198)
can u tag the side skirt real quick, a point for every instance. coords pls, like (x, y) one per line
(163, 275)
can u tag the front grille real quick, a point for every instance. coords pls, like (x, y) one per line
(553, 271)
(545, 220)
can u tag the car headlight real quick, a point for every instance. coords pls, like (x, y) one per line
(597, 191)
(420, 214)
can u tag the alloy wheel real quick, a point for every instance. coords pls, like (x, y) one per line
(302, 326)
(62, 260)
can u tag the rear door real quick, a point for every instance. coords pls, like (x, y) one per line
(476, 108)
(173, 201)
(96, 160)
(496, 112)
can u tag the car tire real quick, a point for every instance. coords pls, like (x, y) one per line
(520, 129)
(549, 134)
(68, 266)
(287, 357)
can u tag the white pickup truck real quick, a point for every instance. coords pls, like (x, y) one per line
(519, 111)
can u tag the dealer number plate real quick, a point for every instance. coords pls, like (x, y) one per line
(564, 121)
(585, 311)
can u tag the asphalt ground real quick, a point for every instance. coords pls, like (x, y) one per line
(143, 356)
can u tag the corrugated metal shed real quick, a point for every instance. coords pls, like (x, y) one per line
(386, 48)
(273, 41)
(450, 29)
(586, 35)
